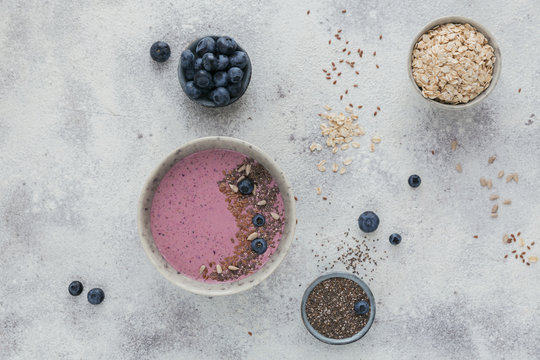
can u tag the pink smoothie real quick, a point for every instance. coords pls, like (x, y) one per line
(198, 220)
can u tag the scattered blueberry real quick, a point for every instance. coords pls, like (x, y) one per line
(220, 96)
(368, 221)
(361, 307)
(223, 62)
(259, 246)
(203, 79)
(414, 181)
(235, 75)
(235, 89)
(75, 288)
(210, 62)
(198, 65)
(226, 45)
(238, 59)
(189, 74)
(395, 239)
(192, 91)
(221, 79)
(258, 220)
(187, 59)
(205, 45)
(245, 186)
(96, 296)
(160, 51)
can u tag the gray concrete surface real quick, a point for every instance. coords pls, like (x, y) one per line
(85, 116)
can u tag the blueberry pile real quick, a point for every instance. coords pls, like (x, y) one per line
(216, 70)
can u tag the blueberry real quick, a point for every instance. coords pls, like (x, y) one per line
(160, 51)
(258, 220)
(361, 307)
(226, 45)
(395, 239)
(198, 65)
(221, 79)
(238, 59)
(235, 89)
(414, 181)
(245, 186)
(192, 91)
(75, 288)
(203, 79)
(368, 221)
(205, 45)
(210, 62)
(223, 62)
(96, 296)
(187, 59)
(189, 74)
(220, 96)
(259, 246)
(235, 75)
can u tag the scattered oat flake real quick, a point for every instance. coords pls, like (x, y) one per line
(494, 215)
(248, 169)
(344, 147)
(483, 182)
(495, 208)
(242, 168)
(347, 162)
(342, 171)
(454, 145)
(521, 242)
(459, 168)
(493, 197)
(355, 145)
(532, 259)
(500, 174)
(489, 184)
(335, 167)
(376, 140)
(507, 202)
(201, 269)
(327, 108)
(321, 163)
(318, 190)
(371, 147)
(491, 159)
(321, 168)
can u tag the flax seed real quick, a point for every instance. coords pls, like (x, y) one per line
(374, 53)
(201, 269)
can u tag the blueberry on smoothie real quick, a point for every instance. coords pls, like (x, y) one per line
(259, 246)
(203, 79)
(245, 186)
(238, 59)
(192, 91)
(235, 74)
(395, 239)
(221, 79)
(368, 221)
(210, 62)
(75, 288)
(205, 45)
(220, 96)
(96, 296)
(223, 62)
(258, 220)
(361, 307)
(414, 181)
(160, 51)
(226, 45)
(187, 59)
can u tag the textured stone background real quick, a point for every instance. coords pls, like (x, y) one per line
(86, 115)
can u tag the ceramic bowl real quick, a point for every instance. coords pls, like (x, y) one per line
(204, 100)
(496, 66)
(358, 335)
(145, 204)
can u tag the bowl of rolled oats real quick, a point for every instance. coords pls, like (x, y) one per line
(454, 62)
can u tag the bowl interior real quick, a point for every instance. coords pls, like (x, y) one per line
(203, 100)
(351, 339)
(496, 66)
(145, 204)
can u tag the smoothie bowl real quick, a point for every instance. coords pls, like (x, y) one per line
(217, 216)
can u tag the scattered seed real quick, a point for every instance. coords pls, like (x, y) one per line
(201, 269)
(334, 82)
(459, 168)
(376, 140)
(493, 197)
(335, 167)
(232, 268)
(342, 171)
(347, 162)
(380, 37)
(252, 236)
(218, 269)
(519, 90)
(248, 169)
(261, 203)
(495, 208)
(374, 53)
(514, 251)
(371, 147)
(379, 108)
(500, 174)
(507, 202)
(234, 188)
(308, 12)
(241, 178)
(454, 145)
(343, 11)
(489, 184)
(322, 169)
(491, 159)
(335, 149)
(318, 190)
(483, 182)
(377, 66)
(505, 238)
(375, 113)
(505, 256)
(274, 215)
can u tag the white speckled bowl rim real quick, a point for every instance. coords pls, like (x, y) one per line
(496, 67)
(348, 340)
(145, 204)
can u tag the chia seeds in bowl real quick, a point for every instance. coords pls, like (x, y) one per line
(328, 308)
(454, 63)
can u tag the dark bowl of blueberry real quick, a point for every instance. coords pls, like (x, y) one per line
(214, 71)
